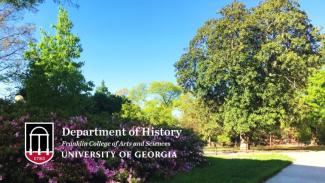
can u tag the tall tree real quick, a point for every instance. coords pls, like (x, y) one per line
(102, 88)
(248, 64)
(54, 81)
(166, 92)
(14, 38)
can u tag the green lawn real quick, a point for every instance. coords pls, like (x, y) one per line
(252, 168)
(267, 148)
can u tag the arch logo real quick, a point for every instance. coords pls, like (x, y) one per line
(39, 141)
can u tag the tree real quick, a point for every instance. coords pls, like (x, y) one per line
(105, 102)
(315, 97)
(248, 64)
(54, 82)
(132, 112)
(314, 104)
(166, 92)
(160, 106)
(153, 103)
(14, 38)
(31, 4)
(197, 116)
(102, 88)
(138, 94)
(22, 4)
(157, 113)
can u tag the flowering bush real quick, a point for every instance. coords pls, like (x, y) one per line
(15, 167)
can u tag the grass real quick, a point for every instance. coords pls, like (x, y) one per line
(267, 148)
(251, 168)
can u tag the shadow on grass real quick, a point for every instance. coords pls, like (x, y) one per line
(231, 171)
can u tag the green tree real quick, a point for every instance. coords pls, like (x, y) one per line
(248, 64)
(315, 97)
(165, 92)
(138, 94)
(54, 82)
(200, 118)
(102, 88)
(157, 113)
(153, 103)
(159, 108)
(132, 112)
(105, 102)
(312, 109)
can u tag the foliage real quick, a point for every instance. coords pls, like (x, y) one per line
(166, 92)
(102, 88)
(131, 112)
(21, 4)
(157, 113)
(138, 93)
(54, 82)
(248, 64)
(31, 4)
(106, 102)
(196, 116)
(315, 97)
(14, 38)
(156, 102)
(310, 109)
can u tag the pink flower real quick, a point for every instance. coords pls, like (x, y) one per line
(48, 166)
(91, 165)
(109, 173)
(52, 181)
(40, 174)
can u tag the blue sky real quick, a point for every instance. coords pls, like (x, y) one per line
(127, 42)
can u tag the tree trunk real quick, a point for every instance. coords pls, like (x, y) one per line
(209, 142)
(244, 143)
(313, 140)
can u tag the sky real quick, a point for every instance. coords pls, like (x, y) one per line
(127, 42)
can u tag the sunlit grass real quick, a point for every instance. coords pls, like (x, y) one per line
(267, 148)
(247, 168)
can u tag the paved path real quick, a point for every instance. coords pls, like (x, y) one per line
(308, 167)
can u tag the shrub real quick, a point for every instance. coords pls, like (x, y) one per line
(15, 167)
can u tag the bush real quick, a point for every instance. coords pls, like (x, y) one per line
(14, 167)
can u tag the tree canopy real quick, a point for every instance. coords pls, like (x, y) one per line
(14, 38)
(54, 81)
(249, 63)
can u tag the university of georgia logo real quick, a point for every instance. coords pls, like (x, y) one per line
(39, 141)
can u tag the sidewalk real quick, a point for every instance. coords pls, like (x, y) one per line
(308, 167)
